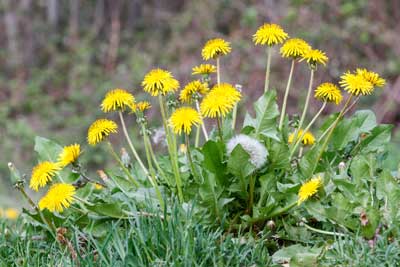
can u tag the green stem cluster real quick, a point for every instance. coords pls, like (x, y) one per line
(171, 142)
(289, 82)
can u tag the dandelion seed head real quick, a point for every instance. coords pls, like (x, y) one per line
(256, 150)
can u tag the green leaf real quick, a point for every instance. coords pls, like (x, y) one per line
(377, 139)
(47, 149)
(213, 160)
(266, 113)
(112, 210)
(349, 130)
(297, 255)
(239, 164)
(278, 156)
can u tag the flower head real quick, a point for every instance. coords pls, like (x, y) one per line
(295, 48)
(42, 174)
(159, 81)
(356, 84)
(314, 57)
(58, 197)
(142, 106)
(270, 34)
(11, 213)
(183, 119)
(117, 99)
(328, 92)
(99, 130)
(204, 69)
(256, 150)
(69, 154)
(309, 189)
(219, 101)
(307, 140)
(215, 48)
(372, 77)
(192, 88)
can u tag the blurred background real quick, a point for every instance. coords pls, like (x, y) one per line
(59, 57)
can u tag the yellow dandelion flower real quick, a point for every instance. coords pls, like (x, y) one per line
(270, 34)
(69, 154)
(117, 99)
(314, 57)
(192, 88)
(11, 213)
(309, 189)
(98, 186)
(328, 92)
(99, 130)
(295, 48)
(159, 81)
(372, 77)
(204, 69)
(42, 174)
(215, 48)
(58, 198)
(356, 84)
(183, 119)
(143, 106)
(308, 138)
(219, 101)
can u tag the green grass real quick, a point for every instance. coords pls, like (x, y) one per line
(143, 241)
(181, 240)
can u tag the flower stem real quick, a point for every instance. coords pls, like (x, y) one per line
(297, 143)
(303, 115)
(128, 139)
(267, 72)
(347, 110)
(203, 126)
(251, 193)
(286, 95)
(121, 164)
(234, 115)
(189, 156)
(332, 128)
(52, 228)
(274, 213)
(220, 129)
(218, 72)
(322, 231)
(152, 176)
(171, 141)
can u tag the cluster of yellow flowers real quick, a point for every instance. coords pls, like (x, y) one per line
(59, 195)
(209, 100)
